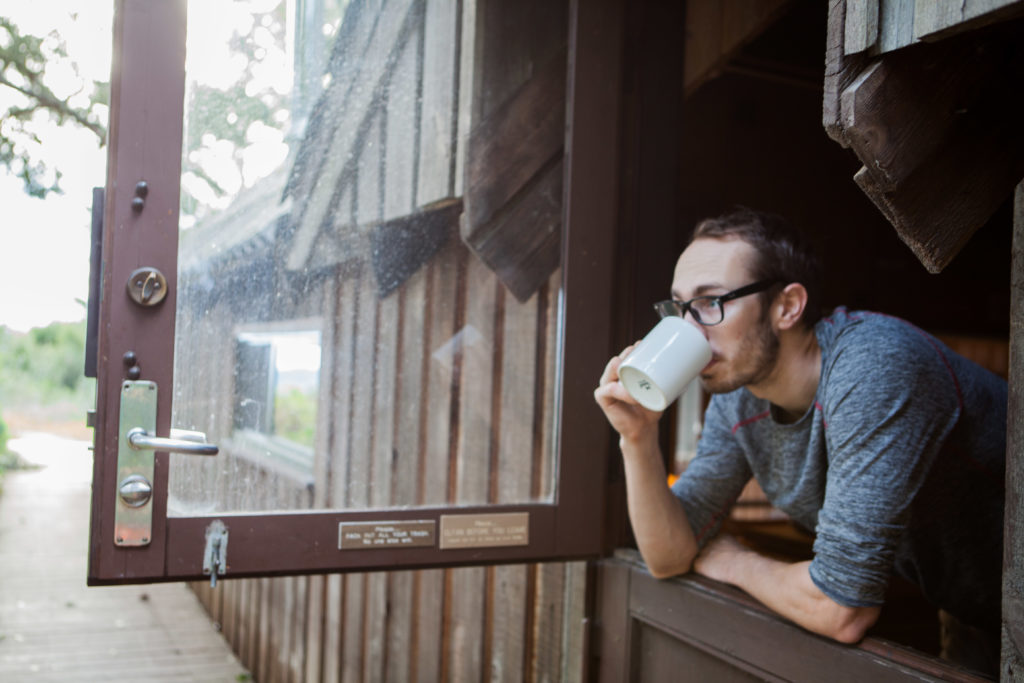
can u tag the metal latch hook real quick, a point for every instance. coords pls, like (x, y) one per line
(215, 556)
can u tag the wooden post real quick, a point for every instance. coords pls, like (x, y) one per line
(1013, 536)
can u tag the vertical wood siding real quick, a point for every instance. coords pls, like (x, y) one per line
(431, 436)
(441, 392)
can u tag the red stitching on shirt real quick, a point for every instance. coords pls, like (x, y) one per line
(749, 420)
(824, 423)
(956, 384)
(711, 522)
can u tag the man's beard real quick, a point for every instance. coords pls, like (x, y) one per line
(753, 363)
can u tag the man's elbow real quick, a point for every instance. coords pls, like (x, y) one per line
(666, 568)
(852, 623)
(665, 571)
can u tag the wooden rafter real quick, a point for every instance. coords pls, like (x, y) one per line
(932, 124)
(716, 30)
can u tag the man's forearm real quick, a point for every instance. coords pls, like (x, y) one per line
(662, 531)
(785, 588)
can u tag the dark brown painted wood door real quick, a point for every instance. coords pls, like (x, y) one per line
(283, 276)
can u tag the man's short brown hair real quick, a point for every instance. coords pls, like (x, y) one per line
(784, 253)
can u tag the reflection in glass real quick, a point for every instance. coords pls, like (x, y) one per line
(335, 335)
(277, 379)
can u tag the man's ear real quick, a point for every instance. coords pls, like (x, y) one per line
(789, 305)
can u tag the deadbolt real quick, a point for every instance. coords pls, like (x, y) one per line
(147, 286)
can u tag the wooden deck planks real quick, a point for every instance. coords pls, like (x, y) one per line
(53, 627)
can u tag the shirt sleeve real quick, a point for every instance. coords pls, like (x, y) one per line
(889, 406)
(714, 478)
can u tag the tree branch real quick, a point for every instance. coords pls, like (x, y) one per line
(61, 107)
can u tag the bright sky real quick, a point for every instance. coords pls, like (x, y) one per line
(44, 262)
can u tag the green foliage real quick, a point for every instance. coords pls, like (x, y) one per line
(295, 416)
(44, 366)
(23, 62)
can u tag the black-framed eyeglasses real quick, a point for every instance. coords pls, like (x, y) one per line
(708, 310)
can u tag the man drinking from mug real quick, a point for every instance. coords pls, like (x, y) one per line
(859, 426)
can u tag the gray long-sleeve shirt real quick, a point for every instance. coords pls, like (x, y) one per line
(897, 465)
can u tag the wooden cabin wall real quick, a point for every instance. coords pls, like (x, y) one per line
(440, 392)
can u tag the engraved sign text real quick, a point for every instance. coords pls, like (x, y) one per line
(377, 535)
(485, 531)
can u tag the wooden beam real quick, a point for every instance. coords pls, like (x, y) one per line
(941, 145)
(861, 29)
(902, 110)
(345, 113)
(717, 29)
(513, 195)
(523, 244)
(724, 630)
(882, 26)
(937, 209)
(895, 25)
(840, 71)
(399, 247)
(1013, 536)
(440, 96)
(935, 19)
(508, 148)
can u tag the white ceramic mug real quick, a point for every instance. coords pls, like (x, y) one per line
(671, 355)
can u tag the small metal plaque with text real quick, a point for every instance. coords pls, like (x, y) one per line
(485, 531)
(378, 535)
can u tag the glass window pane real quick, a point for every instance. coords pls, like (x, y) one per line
(335, 334)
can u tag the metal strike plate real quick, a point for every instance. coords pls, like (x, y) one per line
(133, 522)
(147, 286)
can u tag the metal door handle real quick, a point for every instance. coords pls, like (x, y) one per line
(187, 443)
